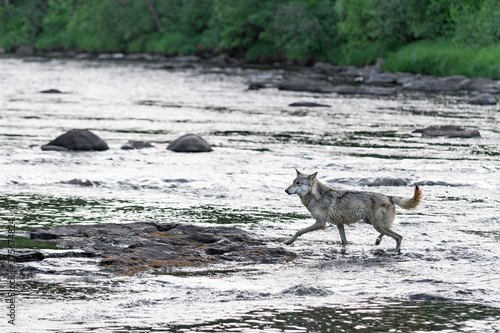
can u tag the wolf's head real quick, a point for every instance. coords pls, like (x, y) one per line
(302, 184)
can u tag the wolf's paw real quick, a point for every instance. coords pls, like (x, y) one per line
(290, 241)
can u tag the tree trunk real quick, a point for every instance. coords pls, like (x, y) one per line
(151, 7)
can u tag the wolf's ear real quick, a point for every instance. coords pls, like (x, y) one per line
(298, 172)
(313, 176)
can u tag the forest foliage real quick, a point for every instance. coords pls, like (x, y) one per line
(408, 33)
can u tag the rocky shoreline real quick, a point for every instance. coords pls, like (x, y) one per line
(370, 80)
(318, 78)
(130, 248)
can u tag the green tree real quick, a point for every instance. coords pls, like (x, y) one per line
(307, 30)
(246, 27)
(20, 22)
(477, 23)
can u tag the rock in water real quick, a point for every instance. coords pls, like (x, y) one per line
(448, 131)
(128, 248)
(51, 91)
(136, 145)
(309, 104)
(190, 143)
(483, 99)
(307, 85)
(77, 139)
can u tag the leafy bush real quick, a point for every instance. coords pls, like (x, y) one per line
(444, 57)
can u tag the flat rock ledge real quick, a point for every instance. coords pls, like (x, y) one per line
(448, 131)
(130, 248)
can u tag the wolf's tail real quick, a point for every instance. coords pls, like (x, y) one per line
(409, 203)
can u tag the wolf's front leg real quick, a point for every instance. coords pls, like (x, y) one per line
(342, 235)
(316, 226)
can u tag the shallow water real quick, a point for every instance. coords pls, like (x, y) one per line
(446, 278)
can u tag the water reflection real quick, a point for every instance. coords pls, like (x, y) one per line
(376, 316)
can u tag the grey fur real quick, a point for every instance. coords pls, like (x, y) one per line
(341, 207)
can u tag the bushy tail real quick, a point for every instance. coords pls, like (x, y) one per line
(409, 203)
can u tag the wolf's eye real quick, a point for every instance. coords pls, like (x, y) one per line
(299, 183)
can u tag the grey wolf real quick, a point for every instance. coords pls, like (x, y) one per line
(341, 207)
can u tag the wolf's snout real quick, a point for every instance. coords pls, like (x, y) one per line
(288, 191)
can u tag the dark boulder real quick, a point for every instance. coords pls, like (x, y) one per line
(136, 145)
(190, 143)
(483, 99)
(76, 139)
(309, 104)
(448, 131)
(51, 91)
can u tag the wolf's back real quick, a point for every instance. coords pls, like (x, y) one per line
(409, 203)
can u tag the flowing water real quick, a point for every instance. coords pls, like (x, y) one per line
(446, 279)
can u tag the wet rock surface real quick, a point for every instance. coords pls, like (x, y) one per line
(483, 99)
(77, 139)
(190, 143)
(51, 91)
(157, 247)
(308, 104)
(307, 85)
(386, 181)
(370, 80)
(136, 145)
(448, 131)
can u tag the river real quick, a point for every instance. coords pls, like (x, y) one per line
(446, 279)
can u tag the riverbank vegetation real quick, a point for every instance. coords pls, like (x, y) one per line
(442, 37)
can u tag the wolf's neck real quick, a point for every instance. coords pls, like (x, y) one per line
(317, 190)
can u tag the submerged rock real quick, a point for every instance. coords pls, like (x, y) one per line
(76, 139)
(256, 86)
(136, 145)
(448, 131)
(309, 104)
(364, 90)
(483, 99)
(384, 182)
(190, 143)
(307, 85)
(81, 182)
(135, 247)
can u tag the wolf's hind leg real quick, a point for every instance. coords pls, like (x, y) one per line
(397, 237)
(379, 239)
